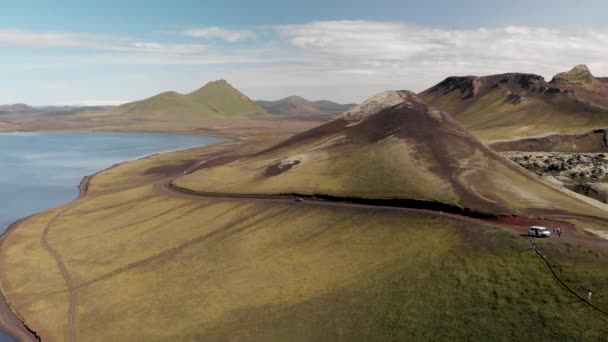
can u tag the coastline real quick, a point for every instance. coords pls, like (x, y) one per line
(11, 322)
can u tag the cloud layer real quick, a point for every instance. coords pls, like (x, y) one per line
(383, 46)
(343, 60)
(221, 33)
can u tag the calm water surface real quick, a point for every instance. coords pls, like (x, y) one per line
(42, 170)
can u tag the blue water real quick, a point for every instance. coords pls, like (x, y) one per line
(42, 170)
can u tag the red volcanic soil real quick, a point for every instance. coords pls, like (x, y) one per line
(523, 222)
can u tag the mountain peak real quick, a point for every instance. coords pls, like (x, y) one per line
(297, 105)
(217, 99)
(217, 83)
(220, 85)
(379, 102)
(579, 75)
(295, 99)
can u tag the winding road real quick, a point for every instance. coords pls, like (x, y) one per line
(168, 187)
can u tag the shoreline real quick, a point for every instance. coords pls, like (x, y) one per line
(11, 322)
(210, 133)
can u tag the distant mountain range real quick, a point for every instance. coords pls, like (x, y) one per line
(24, 109)
(17, 108)
(216, 99)
(296, 105)
(516, 105)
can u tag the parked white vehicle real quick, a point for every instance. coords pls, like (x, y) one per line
(539, 231)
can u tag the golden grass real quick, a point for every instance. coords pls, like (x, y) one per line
(492, 119)
(150, 265)
(374, 170)
(397, 168)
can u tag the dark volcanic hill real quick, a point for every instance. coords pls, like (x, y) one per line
(392, 146)
(295, 105)
(515, 105)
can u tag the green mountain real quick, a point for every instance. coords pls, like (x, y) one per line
(216, 99)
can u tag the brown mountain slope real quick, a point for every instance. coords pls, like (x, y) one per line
(392, 146)
(295, 105)
(17, 108)
(512, 106)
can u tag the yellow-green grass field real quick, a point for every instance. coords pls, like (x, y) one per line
(216, 99)
(147, 264)
(444, 164)
(491, 119)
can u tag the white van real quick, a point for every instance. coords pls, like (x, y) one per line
(539, 231)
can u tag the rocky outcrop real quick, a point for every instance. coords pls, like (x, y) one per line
(585, 173)
(570, 167)
(378, 103)
(578, 81)
(470, 87)
(598, 191)
(579, 75)
(588, 142)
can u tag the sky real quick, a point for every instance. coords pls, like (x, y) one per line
(68, 52)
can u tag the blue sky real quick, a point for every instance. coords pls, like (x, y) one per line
(108, 52)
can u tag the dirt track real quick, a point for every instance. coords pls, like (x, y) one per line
(71, 326)
(517, 225)
(10, 323)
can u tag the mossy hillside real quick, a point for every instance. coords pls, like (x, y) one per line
(216, 99)
(237, 269)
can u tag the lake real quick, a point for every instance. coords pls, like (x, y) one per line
(39, 171)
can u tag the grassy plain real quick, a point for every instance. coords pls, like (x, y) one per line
(132, 260)
(147, 264)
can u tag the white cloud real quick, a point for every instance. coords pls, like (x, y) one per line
(148, 45)
(386, 47)
(221, 33)
(165, 48)
(56, 85)
(34, 39)
(341, 60)
(31, 39)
